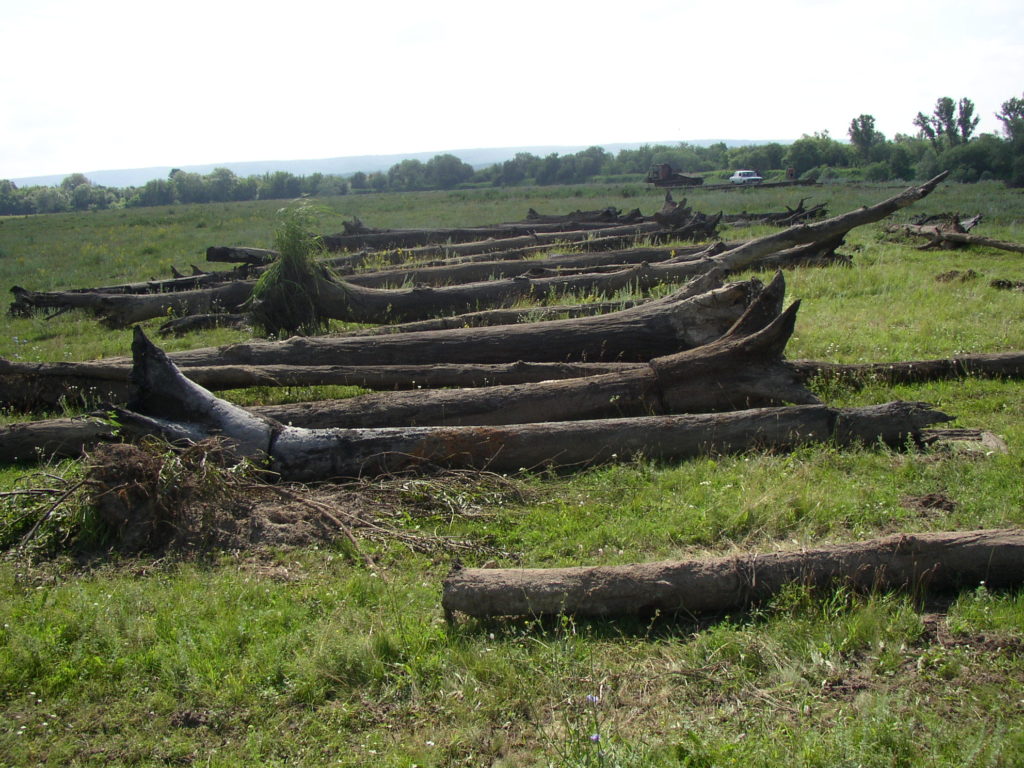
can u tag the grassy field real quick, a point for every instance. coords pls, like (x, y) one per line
(304, 656)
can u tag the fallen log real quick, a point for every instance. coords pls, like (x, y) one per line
(932, 562)
(743, 369)
(413, 238)
(40, 386)
(170, 405)
(939, 238)
(231, 254)
(1002, 365)
(474, 271)
(122, 310)
(801, 234)
(689, 318)
(28, 386)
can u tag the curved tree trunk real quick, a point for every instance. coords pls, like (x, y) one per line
(939, 562)
(171, 405)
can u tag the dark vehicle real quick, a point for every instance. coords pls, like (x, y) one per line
(662, 175)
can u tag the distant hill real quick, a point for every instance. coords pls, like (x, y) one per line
(346, 166)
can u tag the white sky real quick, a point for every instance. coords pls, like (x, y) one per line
(113, 84)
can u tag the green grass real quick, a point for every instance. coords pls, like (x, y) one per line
(301, 657)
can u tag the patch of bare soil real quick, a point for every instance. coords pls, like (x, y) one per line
(928, 504)
(956, 275)
(1008, 285)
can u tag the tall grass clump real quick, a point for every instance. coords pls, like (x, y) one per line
(284, 301)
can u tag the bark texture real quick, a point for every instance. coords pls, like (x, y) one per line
(169, 404)
(927, 561)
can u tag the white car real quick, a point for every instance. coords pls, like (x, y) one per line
(745, 177)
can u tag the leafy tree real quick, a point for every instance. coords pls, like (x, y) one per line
(820, 149)
(220, 184)
(760, 156)
(864, 136)
(1011, 115)
(280, 185)
(446, 171)
(13, 200)
(966, 121)
(73, 181)
(407, 175)
(547, 170)
(155, 192)
(951, 123)
(358, 180)
(189, 187)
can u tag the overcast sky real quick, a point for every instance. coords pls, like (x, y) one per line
(113, 84)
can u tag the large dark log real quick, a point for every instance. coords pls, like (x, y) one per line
(413, 238)
(743, 369)
(122, 310)
(934, 562)
(169, 404)
(474, 271)
(28, 386)
(689, 318)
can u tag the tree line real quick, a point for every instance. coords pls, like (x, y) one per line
(945, 140)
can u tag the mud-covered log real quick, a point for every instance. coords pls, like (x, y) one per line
(923, 562)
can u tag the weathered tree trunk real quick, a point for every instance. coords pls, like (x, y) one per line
(253, 257)
(686, 319)
(27, 386)
(939, 562)
(413, 238)
(826, 230)
(743, 369)
(169, 404)
(47, 438)
(941, 238)
(474, 271)
(1008, 365)
(122, 310)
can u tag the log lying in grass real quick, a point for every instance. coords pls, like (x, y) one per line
(414, 238)
(939, 562)
(743, 369)
(1004, 365)
(688, 318)
(122, 310)
(28, 386)
(169, 404)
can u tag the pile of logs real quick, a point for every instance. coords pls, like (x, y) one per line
(949, 231)
(699, 371)
(453, 270)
